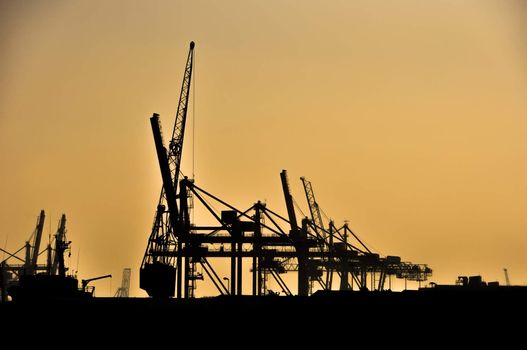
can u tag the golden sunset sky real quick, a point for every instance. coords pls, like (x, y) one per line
(409, 117)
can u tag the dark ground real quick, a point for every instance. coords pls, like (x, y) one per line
(462, 316)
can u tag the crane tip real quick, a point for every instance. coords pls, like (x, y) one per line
(191, 44)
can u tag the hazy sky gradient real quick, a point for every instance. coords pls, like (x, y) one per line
(409, 118)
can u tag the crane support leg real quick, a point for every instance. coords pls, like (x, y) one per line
(239, 269)
(233, 268)
(179, 265)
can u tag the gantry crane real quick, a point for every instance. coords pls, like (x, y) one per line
(176, 245)
(124, 290)
(345, 258)
(326, 246)
(160, 272)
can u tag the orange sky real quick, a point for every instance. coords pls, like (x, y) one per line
(408, 117)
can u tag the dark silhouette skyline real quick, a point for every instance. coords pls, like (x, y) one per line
(408, 119)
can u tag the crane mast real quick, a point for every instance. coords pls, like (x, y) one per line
(326, 247)
(175, 150)
(313, 208)
(289, 202)
(124, 290)
(60, 246)
(163, 257)
(38, 237)
(299, 238)
(30, 264)
(507, 280)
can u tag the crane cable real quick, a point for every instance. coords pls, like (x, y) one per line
(297, 206)
(193, 125)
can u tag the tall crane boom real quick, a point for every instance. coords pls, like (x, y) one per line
(86, 281)
(38, 237)
(60, 238)
(163, 257)
(175, 150)
(289, 201)
(168, 182)
(313, 208)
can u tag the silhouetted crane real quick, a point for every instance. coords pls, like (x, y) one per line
(318, 227)
(33, 254)
(176, 245)
(298, 236)
(159, 267)
(507, 281)
(86, 281)
(314, 209)
(124, 290)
